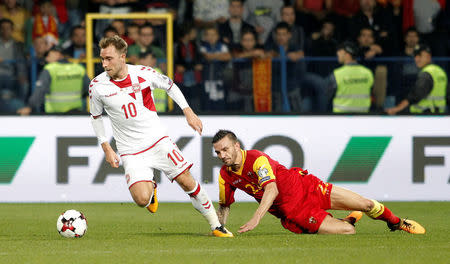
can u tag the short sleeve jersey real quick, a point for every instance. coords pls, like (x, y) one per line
(129, 104)
(257, 171)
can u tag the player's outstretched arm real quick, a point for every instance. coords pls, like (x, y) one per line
(193, 120)
(270, 193)
(222, 214)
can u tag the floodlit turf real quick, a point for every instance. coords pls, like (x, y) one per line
(124, 233)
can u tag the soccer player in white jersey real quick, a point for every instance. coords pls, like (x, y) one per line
(125, 93)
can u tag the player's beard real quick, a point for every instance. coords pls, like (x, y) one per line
(114, 73)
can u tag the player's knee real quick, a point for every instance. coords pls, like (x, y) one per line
(367, 205)
(141, 200)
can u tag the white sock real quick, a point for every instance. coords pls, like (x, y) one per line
(151, 195)
(149, 201)
(200, 200)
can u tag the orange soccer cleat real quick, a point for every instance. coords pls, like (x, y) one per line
(153, 207)
(221, 231)
(353, 217)
(409, 226)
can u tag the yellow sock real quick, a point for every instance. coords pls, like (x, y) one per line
(376, 211)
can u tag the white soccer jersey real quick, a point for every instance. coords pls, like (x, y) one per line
(130, 106)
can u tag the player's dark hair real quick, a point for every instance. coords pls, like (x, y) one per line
(223, 133)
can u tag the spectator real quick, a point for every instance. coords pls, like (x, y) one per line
(281, 48)
(159, 6)
(312, 13)
(249, 47)
(426, 13)
(109, 32)
(402, 74)
(159, 95)
(45, 23)
(431, 91)
(61, 86)
(111, 7)
(297, 34)
(188, 67)
(40, 48)
(132, 33)
(145, 44)
(18, 15)
(394, 9)
(350, 85)
(376, 18)
(216, 56)
(369, 50)
(300, 83)
(282, 39)
(77, 48)
(61, 14)
(411, 39)
(208, 13)
(367, 47)
(240, 96)
(231, 30)
(323, 43)
(341, 15)
(13, 71)
(263, 15)
(120, 26)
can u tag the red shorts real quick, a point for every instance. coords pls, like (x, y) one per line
(308, 215)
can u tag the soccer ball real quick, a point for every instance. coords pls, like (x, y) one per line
(71, 223)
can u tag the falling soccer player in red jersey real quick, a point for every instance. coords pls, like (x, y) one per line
(298, 198)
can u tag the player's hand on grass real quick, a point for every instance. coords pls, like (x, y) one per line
(193, 120)
(250, 225)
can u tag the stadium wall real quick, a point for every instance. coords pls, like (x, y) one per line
(57, 159)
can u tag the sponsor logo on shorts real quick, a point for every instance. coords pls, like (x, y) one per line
(312, 220)
(128, 178)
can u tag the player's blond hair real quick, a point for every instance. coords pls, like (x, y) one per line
(116, 41)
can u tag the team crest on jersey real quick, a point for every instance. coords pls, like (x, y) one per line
(136, 87)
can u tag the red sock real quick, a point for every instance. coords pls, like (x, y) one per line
(388, 216)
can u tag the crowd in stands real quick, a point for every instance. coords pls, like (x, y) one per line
(217, 40)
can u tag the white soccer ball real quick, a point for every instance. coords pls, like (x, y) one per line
(71, 223)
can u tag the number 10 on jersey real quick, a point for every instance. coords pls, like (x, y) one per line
(130, 110)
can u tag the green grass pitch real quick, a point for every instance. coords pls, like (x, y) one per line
(124, 233)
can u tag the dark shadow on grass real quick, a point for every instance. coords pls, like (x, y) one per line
(166, 234)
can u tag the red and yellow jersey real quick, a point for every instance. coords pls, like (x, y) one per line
(257, 171)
